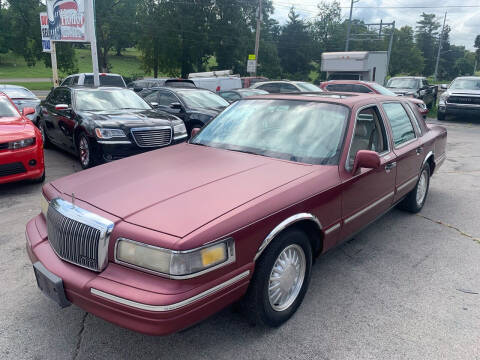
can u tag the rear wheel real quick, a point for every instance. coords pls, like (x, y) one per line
(85, 151)
(416, 198)
(281, 279)
(45, 139)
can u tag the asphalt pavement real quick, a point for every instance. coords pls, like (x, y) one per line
(407, 287)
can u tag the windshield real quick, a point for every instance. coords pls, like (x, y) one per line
(18, 93)
(101, 100)
(6, 108)
(301, 131)
(382, 90)
(403, 83)
(202, 99)
(304, 86)
(465, 84)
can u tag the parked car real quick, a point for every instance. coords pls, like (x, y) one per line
(237, 94)
(240, 210)
(194, 106)
(23, 98)
(21, 147)
(414, 86)
(218, 83)
(285, 86)
(86, 79)
(462, 97)
(368, 87)
(104, 124)
(139, 85)
(250, 80)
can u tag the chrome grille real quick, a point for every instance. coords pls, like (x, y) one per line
(78, 236)
(152, 137)
(464, 100)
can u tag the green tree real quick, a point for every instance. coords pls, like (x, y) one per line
(426, 38)
(326, 27)
(405, 58)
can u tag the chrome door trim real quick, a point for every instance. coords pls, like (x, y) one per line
(406, 183)
(369, 207)
(170, 307)
(332, 228)
(282, 226)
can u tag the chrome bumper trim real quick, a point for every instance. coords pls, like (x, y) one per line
(369, 207)
(115, 142)
(332, 228)
(163, 308)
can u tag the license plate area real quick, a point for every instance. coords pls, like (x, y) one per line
(50, 284)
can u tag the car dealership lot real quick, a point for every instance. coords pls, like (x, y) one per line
(406, 287)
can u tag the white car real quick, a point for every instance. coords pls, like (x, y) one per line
(86, 79)
(285, 86)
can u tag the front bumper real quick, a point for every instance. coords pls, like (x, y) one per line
(459, 109)
(135, 300)
(26, 157)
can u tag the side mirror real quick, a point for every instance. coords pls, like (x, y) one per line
(366, 159)
(194, 132)
(444, 86)
(137, 89)
(28, 111)
(61, 107)
(154, 104)
(176, 105)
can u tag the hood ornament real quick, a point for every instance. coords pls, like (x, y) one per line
(73, 199)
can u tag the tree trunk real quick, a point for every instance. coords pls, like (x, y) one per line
(155, 58)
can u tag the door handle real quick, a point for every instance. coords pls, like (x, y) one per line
(390, 166)
(419, 150)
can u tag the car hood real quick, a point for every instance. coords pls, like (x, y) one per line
(178, 189)
(464, 92)
(211, 112)
(129, 118)
(14, 128)
(402, 90)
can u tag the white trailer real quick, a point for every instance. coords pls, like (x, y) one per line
(216, 80)
(356, 65)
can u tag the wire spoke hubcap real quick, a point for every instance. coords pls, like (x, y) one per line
(286, 277)
(84, 151)
(422, 188)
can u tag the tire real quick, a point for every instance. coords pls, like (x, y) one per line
(260, 302)
(416, 198)
(85, 155)
(46, 141)
(440, 115)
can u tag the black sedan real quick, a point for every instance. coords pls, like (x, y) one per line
(103, 124)
(237, 94)
(194, 106)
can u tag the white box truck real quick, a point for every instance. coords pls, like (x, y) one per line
(356, 65)
(216, 80)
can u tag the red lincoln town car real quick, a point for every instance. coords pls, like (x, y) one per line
(21, 146)
(162, 240)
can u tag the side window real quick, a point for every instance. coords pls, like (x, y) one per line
(412, 113)
(360, 89)
(271, 88)
(340, 87)
(287, 88)
(167, 98)
(402, 128)
(75, 80)
(67, 81)
(52, 98)
(369, 134)
(64, 97)
(88, 80)
(152, 97)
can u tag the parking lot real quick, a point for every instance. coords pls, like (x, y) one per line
(406, 287)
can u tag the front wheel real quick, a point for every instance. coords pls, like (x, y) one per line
(85, 151)
(416, 198)
(281, 279)
(45, 139)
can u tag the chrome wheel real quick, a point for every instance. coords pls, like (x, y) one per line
(84, 150)
(286, 278)
(422, 187)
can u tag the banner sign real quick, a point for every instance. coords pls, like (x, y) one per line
(46, 44)
(66, 20)
(252, 66)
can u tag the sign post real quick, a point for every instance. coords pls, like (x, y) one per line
(93, 40)
(48, 46)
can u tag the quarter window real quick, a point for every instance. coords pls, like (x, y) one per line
(402, 128)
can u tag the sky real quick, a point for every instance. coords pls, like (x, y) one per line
(464, 21)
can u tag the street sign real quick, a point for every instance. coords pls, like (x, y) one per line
(252, 66)
(46, 43)
(251, 57)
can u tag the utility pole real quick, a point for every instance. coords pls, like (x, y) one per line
(257, 34)
(93, 40)
(440, 42)
(389, 53)
(349, 25)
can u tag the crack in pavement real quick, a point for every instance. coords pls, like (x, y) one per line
(461, 232)
(80, 336)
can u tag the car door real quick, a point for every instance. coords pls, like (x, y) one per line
(49, 116)
(67, 121)
(368, 193)
(406, 146)
(165, 100)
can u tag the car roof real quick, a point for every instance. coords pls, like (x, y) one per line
(90, 88)
(175, 89)
(468, 77)
(408, 77)
(8, 86)
(348, 82)
(101, 74)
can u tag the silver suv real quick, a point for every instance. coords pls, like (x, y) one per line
(462, 97)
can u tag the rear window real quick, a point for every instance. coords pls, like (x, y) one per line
(105, 80)
(180, 83)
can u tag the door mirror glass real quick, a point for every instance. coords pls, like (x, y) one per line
(444, 86)
(28, 111)
(154, 104)
(195, 131)
(366, 159)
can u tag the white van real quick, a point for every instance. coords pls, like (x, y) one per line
(216, 80)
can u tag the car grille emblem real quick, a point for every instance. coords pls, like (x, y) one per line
(73, 199)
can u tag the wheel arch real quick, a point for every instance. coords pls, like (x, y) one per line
(307, 222)
(430, 159)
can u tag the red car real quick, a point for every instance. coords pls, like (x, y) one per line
(162, 240)
(359, 86)
(21, 146)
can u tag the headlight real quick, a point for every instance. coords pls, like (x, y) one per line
(174, 263)
(44, 205)
(109, 133)
(179, 130)
(21, 143)
(422, 106)
(442, 99)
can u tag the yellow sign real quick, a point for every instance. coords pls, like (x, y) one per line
(251, 57)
